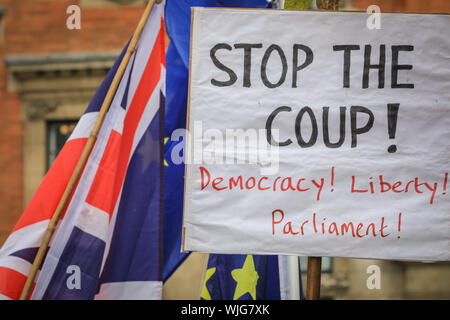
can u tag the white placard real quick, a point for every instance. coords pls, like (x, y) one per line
(347, 131)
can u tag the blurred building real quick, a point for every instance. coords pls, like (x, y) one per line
(48, 74)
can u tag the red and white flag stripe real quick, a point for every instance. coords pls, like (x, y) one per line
(95, 200)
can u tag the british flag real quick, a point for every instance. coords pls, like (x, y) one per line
(110, 231)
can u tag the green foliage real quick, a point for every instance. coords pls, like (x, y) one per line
(297, 4)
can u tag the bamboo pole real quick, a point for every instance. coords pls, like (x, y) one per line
(85, 153)
(315, 263)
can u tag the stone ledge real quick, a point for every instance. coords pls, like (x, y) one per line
(37, 73)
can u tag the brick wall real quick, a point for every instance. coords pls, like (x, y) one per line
(11, 155)
(39, 27)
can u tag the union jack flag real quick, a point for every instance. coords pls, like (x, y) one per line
(110, 232)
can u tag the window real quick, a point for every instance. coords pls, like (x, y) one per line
(326, 264)
(57, 134)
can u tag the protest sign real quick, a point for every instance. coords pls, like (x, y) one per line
(312, 134)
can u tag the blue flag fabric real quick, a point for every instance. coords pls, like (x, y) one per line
(222, 284)
(178, 22)
(178, 19)
(176, 97)
(241, 277)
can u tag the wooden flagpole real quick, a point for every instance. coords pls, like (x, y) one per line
(315, 263)
(313, 278)
(85, 153)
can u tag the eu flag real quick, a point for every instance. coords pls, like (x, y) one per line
(178, 22)
(241, 277)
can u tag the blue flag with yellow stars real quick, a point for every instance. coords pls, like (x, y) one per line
(178, 22)
(241, 277)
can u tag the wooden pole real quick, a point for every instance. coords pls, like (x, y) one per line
(315, 263)
(85, 153)
(313, 278)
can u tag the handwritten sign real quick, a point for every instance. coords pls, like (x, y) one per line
(311, 134)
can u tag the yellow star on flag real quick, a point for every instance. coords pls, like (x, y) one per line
(246, 279)
(205, 293)
(165, 162)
